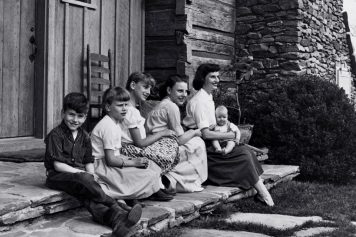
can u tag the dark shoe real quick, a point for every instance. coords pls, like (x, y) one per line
(165, 181)
(171, 192)
(133, 202)
(125, 224)
(161, 196)
(168, 187)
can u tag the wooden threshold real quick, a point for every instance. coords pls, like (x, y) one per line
(20, 143)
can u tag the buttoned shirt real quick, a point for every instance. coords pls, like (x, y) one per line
(200, 111)
(61, 146)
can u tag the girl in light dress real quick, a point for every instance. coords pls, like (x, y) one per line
(161, 147)
(120, 176)
(191, 172)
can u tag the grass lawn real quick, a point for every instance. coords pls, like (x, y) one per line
(334, 203)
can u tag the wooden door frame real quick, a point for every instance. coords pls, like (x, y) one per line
(40, 70)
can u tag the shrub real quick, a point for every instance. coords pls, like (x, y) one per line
(304, 121)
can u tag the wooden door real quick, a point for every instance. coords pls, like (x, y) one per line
(17, 74)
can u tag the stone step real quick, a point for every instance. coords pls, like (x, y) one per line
(20, 143)
(24, 197)
(283, 222)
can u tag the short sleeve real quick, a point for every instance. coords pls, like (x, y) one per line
(88, 157)
(200, 116)
(174, 121)
(133, 118)
(111, 139)
(54, 147)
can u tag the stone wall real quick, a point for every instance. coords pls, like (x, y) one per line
(291, 37)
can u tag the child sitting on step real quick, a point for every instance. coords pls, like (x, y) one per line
(69, 165)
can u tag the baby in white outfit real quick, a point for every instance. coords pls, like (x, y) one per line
(224, 125)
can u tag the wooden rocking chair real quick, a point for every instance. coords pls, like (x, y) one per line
(98, 79)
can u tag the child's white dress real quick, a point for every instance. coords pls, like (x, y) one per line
(126, 182)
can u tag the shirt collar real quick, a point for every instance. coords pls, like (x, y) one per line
(67, 131)
(205, 94)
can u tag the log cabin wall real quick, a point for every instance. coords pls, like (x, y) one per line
(182, 34)
(112, 24)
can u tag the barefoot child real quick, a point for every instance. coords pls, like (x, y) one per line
(69, 165)
(224, 125)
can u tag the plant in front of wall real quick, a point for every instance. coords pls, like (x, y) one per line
(306, 121)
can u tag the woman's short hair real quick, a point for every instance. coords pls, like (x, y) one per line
(140, 77)
(202, 71)
(115, 94)
(169, 83)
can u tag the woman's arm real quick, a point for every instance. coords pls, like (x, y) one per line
(213, 135)
(185, 137)
(124, 161)
(150, 139)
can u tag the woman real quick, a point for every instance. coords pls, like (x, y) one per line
(191, 172)
(240, 168)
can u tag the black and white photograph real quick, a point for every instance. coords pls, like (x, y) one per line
(177, 118)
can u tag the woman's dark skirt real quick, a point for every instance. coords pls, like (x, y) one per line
(240, 168)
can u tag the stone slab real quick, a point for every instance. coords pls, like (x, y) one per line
(23, 192)
(219, 233)
(245, 194)
(29, 155)
(277, 172)
(180, 208)
(281, 222)
(72, 224)
(24, 196)
(25, 181)
(199, 199)
(153, 214)
(313, 231)
(225, 192)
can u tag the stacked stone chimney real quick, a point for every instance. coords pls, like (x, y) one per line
(291, 37)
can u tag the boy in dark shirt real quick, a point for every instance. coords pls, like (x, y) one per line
(70, 168)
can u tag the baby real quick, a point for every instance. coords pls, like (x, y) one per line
(224, 125)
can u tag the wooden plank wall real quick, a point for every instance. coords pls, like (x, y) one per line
(17, 17)
(161, 49)
(211, 37)
(115, 24)
(181, 34)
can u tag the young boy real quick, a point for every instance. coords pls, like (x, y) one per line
(224, 125)
(70, 168)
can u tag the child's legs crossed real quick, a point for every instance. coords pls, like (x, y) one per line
(83, 186)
